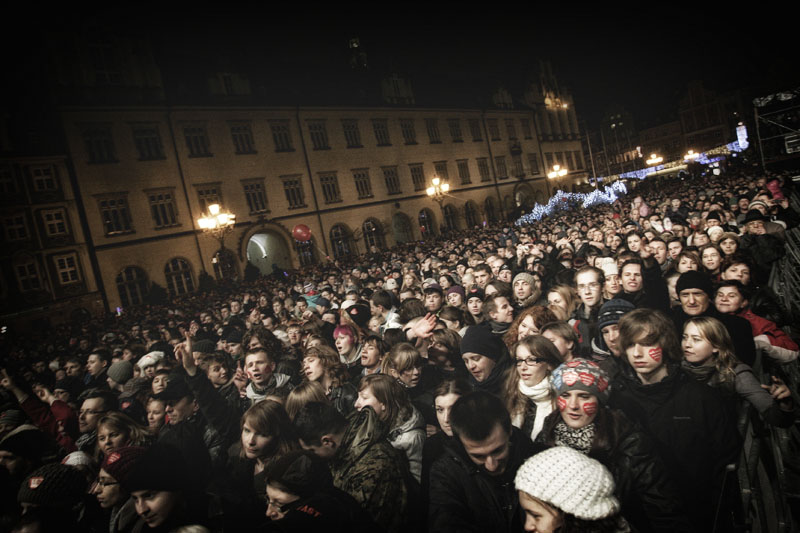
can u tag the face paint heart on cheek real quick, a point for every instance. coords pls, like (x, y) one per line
(655, 354)
(590, 408)
(562, 403)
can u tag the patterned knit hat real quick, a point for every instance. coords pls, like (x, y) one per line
(584, 375)
(121, 371)
(53, 485)
(570, 481)
(611, 312)
(119, 463)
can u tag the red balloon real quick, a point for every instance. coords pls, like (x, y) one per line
(301, 232)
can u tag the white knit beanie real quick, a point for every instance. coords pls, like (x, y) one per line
(570, 481)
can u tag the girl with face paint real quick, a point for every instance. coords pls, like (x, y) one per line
(583, 421)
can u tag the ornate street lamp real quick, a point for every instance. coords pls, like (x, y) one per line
(218, 224)
(654, 160)
(437, 191)
(691, 156)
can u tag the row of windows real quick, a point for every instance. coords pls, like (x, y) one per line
(54, 222)
(329, 181)
(42, 178)
(133, 284)
(100, 145)
(570, 160)
(30, 277)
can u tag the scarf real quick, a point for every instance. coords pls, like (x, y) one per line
(577, 439)
(540, 394)
(499, 328)
(707, 373)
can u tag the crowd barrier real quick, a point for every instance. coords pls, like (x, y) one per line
(768, 472)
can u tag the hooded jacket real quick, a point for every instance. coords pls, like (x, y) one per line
(409, 437)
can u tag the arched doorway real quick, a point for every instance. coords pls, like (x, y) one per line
(266, 248)
(471, 214)
(401, 227)
(427, 223)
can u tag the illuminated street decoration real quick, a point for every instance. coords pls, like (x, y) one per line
(562, 201)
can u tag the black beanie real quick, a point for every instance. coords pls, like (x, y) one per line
(692, 279)
(53, 485)
(611, 312)
(480, 339)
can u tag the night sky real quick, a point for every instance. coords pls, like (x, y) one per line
(607, 57)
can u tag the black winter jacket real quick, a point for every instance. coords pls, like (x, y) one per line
(465, 498)
(693, 433)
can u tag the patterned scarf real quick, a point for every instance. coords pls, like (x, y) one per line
(577, 439)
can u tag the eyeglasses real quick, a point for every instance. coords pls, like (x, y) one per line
(530, 361)
(592, 285)
(105, 483)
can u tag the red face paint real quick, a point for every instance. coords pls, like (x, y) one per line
(562, 403)
(655, 354)
(590, 408)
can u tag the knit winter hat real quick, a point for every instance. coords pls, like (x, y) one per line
(611, 311)
(160, 467)
(207, 345)
(692, 279)
(359, 313)
(301, 472)
(26, 441)
(458, 289)
(570, 481)
(134, 386)
(121, 371)
(584, 375)
(714, 215)
(480, 339)
(475, 292)
(73, 385)
(12, 417)
(78, 458)
(53, 485)
(119, 463)
(608, 265)
(150, 359)
(524, 276)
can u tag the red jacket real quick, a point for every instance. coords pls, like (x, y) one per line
(57, 420)
(770, 338)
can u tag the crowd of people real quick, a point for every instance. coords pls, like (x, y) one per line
(582, 373)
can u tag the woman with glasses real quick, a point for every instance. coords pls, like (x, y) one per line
(110, 491)
(528, 393)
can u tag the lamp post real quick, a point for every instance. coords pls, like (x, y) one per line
(437, 192)
(654, 160)
(218, 224)
(557, 172)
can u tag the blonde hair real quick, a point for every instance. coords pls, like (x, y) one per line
(403, 356)
(569, 297)
(713, 331)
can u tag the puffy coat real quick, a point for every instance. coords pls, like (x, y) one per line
(464, 498)
(409, 437)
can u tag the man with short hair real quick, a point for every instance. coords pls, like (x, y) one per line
(471, 484)
(381, 306)
(589, 282)
(527, 289)
(264, 381)
(363, 463)
(695, 291)
(96, 366)
(95, 404)
(500, 313)
(642, 284)
(483, 275)
(433, 298)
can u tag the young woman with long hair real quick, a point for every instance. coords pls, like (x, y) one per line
(529, 321)
(708, 356)
(562, 301)
(528, 393)
(115, 430)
